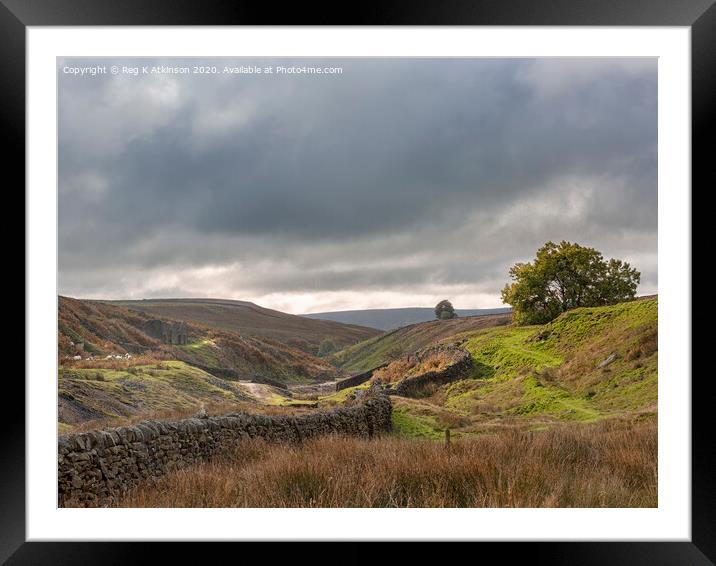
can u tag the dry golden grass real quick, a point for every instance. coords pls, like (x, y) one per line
(647, 345)
(400, 369)
(392, 373)
(609, 464)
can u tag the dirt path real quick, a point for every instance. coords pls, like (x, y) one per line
(266, 394)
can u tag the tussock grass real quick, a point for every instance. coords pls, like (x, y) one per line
(606, 464)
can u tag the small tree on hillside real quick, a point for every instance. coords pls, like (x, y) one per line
(444, 310)
(326, 347)
(565, 276)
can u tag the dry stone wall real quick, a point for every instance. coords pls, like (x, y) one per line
(357, 379)
(97, 466)
(425, 384)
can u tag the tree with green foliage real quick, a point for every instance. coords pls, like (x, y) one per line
(326, 347)
(565, 276)
(444, 310)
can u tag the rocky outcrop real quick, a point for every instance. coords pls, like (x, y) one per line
(174, 332)
(97, 466)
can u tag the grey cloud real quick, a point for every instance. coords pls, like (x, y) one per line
(391, 158)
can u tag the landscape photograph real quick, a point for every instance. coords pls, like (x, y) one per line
(357, 283)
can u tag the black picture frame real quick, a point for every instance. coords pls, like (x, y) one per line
(699, 15)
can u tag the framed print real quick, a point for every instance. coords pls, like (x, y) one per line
(401, 278)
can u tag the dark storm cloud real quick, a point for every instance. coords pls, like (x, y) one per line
(298, 182)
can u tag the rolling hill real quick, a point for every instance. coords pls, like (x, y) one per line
(252, 320)
(89, 328)
(589, 364)
(390, 319)
(408, 339)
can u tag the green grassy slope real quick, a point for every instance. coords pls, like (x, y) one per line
(103, 394)
(396, 343)
(588, 364)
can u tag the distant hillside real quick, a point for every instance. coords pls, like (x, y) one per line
(389, 319)
(252, 320)
(408, 339)
(89, 328)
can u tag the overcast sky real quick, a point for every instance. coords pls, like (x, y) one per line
(398, 182)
